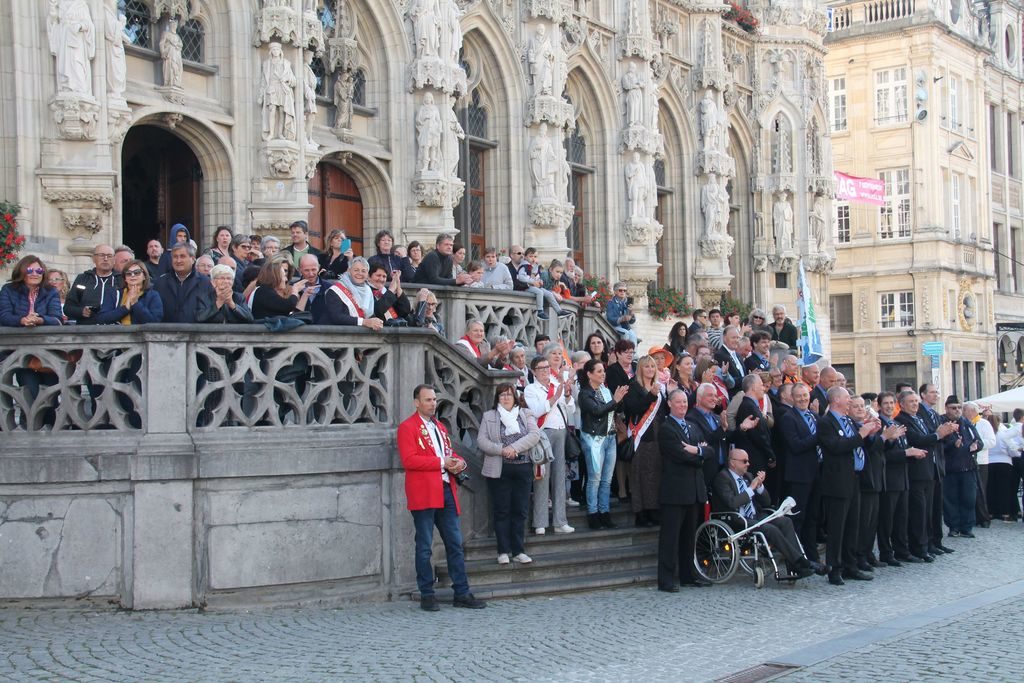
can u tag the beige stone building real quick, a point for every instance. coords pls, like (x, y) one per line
(926, 96)
(651, 140)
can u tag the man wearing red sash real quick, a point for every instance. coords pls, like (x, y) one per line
(431, 492)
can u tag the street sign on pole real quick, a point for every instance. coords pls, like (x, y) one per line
(933, 348)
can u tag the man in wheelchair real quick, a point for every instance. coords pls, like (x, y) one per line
(734, 490)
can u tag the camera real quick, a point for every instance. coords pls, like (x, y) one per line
(629, 301)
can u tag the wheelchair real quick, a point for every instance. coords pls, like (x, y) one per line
(728, 542)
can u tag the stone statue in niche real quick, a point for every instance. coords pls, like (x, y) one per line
(543, 164)
(633, 87)
(344, 89)
(636, 187)
(72, 37)
(170, 53)
(277, 96)
(453, 27)
(710, 123)
(652, 191)
(542, 62)
(426, 27)
(652, 108)
(455, 136)
(817, 224)
(782, 223)
(562, 177)
(309, 98)
(428, 135)
(113, 30)
(714, 202)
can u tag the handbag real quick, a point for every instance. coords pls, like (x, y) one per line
(624, 449)
(573, 447)
(540, 453)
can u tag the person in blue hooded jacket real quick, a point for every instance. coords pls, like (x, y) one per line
(28, 300)
(179, 235)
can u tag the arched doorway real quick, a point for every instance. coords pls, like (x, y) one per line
(336, 204)
(161, 185)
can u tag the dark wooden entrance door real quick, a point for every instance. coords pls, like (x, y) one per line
(336, 204)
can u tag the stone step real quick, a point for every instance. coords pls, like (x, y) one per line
(581, 539)
(572, 564)
(556, 586)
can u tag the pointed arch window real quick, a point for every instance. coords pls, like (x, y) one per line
(471, 214)
(138, 24)
(320, 71)
(193, 39)
(579, 188)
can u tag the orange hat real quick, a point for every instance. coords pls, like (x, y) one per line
(665, 352)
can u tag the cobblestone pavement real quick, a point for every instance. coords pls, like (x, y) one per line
(629, 634)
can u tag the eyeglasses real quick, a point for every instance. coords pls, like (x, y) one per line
(742, 462)
(34, 271)
(133, 272)
(542, 367)
(103, 256)
(55, 278)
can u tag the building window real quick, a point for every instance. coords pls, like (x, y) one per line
(954, 103)
(320, 71)
(576, 153)
(192, 34)
(954, 201)
(137, 28)
(470, 215)
(896, 373)
(841, 308)
(897, 310)
(359, 88)
(894, 216)
(993, 137)
(838, 104)
(891, 96)
(781, 280)
(997, 240)
(1011, 144)
(842, 222)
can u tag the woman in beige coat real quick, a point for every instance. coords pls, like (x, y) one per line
(507, 432)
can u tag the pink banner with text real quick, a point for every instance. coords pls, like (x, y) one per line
(864, 190)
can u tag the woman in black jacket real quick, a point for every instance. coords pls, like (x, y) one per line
(334, 262)
(645, 408)
(272, 295)
(597, 407)
(391, 261)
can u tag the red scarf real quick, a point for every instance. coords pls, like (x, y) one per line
(473, 347)
(551, 393)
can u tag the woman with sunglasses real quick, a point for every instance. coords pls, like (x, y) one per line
(28, 300)
(139, 303)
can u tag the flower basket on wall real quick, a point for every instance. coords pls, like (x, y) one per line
(742, 17)
(663, 302)
(11, 241)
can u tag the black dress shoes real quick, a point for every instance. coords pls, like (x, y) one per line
(429, 604)
(893, 562)
(925, 558)
(606, 521)
(910, 559)
(594, 521)
(468, 601)
(967, 534)
(836, 579)
(864, 566)
(873, 562)
(856, 575)
(819, 568)
(696, 583)
(944, 549)
(669, 589)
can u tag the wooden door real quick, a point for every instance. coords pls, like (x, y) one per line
(336, 204)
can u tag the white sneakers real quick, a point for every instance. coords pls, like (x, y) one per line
(503, 558)
(564, 529)
(571, 503)
(523, 558)
(539, 531)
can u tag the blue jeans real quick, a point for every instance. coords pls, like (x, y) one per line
(628, 335)
(959, 493)
(600, 454)
(447, 522)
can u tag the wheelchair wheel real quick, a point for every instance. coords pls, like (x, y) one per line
(715, 556)
(759, 576)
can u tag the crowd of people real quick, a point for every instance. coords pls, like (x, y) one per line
(723, 416)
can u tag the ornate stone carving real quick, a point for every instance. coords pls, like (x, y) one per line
(541, 59)
(552, 110)
(438, 192)
(550, 213)
(714, 203)
(557, 11)
(783, 263)
(170, 53)
(816, 225)
(282, 158)
(543, 164)
(820, 263)
(638, 194)
(633, 90)
(309, 99)
(716, 246)
(119, 120)
(760, 263)
(644, 140)
(437, 40)
(717, 163)
(453, 136)
(428, 136)
(277, 21)
(277, 96)
(76, 116)
(176, 8)
(782, 223)
(83, 212)
(642, 231)
(312, 31)
(172, 119)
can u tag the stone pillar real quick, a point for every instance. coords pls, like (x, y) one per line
(714, 164)
(437, 81)
(640, 143)
(549, 118)
(287, 37)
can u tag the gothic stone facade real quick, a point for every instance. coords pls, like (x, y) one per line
(651, 139)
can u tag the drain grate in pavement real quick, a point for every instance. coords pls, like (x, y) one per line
(760, 672)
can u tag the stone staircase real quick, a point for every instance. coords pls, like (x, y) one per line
(562, 563)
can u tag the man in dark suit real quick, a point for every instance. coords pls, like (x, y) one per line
(708, 428)
(824, 381)
(928, 410)
(893, 548)
(920, 472)
(961, 490)
(872, 483)
(734, 490)
(843, 450)
(751, 429)
(798, 430)
(760, 357)
(728, 354)
(682, 495)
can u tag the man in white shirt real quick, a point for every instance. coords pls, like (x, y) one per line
(549, 398)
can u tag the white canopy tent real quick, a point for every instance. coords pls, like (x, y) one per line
(1004, 402)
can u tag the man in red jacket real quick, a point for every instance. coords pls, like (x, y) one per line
(430, 489)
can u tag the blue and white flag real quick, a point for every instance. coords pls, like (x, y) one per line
(810, 340)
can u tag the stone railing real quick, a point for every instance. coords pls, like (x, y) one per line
(872, 13)
(177, 465)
